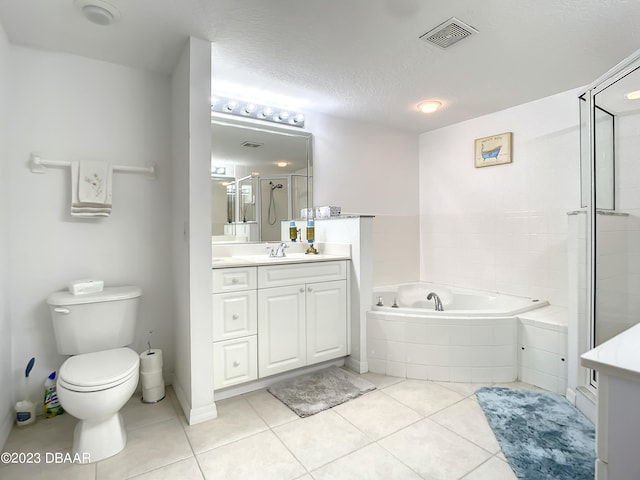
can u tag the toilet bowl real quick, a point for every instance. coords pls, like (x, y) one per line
(102, 373)
(93, 387)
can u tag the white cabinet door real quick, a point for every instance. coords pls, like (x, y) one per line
(235, 315)
(326, 321)
(281, 329)
(235, 361)
(234, 279)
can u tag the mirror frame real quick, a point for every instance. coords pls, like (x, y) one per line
(257, 125)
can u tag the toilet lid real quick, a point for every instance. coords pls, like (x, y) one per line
(99, 370)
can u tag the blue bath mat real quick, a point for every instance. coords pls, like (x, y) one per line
(542, 435)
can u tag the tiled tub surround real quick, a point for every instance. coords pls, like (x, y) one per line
(480, 346)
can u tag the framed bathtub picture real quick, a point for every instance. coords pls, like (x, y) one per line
(493, 150)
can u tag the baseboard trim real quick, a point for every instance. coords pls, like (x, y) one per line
(356, 365)
(193, 415)
(268, 381)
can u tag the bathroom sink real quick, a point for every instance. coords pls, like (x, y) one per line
(289, 258)
(222, 261)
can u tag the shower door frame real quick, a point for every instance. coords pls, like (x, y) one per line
(616, 73)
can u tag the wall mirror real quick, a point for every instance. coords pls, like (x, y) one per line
(260, 176)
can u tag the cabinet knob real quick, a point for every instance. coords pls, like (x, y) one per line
(236, 364)
(301, 290)
(235, 316)
(234, 280)
(310, 289)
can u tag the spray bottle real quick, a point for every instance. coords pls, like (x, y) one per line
(26, 409)
(52, 405)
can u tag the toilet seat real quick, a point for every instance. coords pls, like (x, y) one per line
(96, 371)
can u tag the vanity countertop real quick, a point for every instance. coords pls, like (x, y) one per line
(241, 255)
(264, 259)
(618, 356)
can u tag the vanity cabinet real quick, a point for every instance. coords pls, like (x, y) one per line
(301, 325)
(295, 312)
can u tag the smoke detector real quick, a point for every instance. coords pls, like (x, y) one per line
(448, 33)
(98, 11)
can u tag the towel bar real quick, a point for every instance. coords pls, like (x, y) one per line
(39, 165)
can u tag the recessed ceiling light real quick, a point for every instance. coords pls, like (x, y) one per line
(429, 106)
(99, 12)
(635, 95)
(282, 164)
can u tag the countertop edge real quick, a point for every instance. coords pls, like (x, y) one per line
(250, 263)
(610, 364)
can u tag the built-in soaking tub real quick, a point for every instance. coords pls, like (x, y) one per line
(473, 339)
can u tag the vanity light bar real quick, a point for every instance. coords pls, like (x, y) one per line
(256, 111)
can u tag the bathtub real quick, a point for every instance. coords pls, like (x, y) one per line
(473, 340)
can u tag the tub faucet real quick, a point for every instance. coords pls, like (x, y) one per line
(436, 298)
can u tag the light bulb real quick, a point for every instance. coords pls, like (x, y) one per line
(283, 115)
(250, 108)
(635, 95)
(231, 106)
(267, 112)
(429, 106)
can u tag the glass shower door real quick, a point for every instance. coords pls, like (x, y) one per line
(615, 211)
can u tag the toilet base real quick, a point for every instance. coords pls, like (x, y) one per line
(95, 440)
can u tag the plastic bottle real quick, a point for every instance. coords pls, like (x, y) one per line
(52, 405)
(311, 231)
(25, 413)
(26, 409)
(293, 231)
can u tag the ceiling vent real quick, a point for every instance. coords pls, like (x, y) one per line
(252, 144)
(448, 33)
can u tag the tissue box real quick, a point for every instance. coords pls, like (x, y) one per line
(85, 285)
(327, 211)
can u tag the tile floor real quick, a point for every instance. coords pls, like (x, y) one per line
(405, 429)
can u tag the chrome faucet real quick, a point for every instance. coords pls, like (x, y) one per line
(436, 298)
(277, 251)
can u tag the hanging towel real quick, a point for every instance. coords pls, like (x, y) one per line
(91, 189)
(92, 181)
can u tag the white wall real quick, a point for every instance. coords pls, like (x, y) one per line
(368, 169)
(69, 108)
(6, 397)
(502, 228)
(191, 230)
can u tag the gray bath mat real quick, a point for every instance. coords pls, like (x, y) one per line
(311, 393)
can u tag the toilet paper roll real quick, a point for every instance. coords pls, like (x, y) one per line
(151, 360)
(153, 394)
(151, 375)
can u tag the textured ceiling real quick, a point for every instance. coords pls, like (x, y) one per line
(359, 58)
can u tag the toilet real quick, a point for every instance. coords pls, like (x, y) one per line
(102, 373)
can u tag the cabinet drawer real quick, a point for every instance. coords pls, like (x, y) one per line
(294, 273)
(235, 361)
(233, 279)
(235, 315)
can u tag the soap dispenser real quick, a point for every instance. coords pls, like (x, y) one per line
(311, 233)
(293, 231)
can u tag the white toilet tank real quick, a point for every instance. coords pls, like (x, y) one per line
(93, 322)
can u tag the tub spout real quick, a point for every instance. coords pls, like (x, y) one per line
(436, 299)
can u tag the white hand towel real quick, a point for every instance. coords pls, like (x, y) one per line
(91, 190)
(93, 181)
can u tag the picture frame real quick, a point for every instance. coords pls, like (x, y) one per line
(493, 150)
